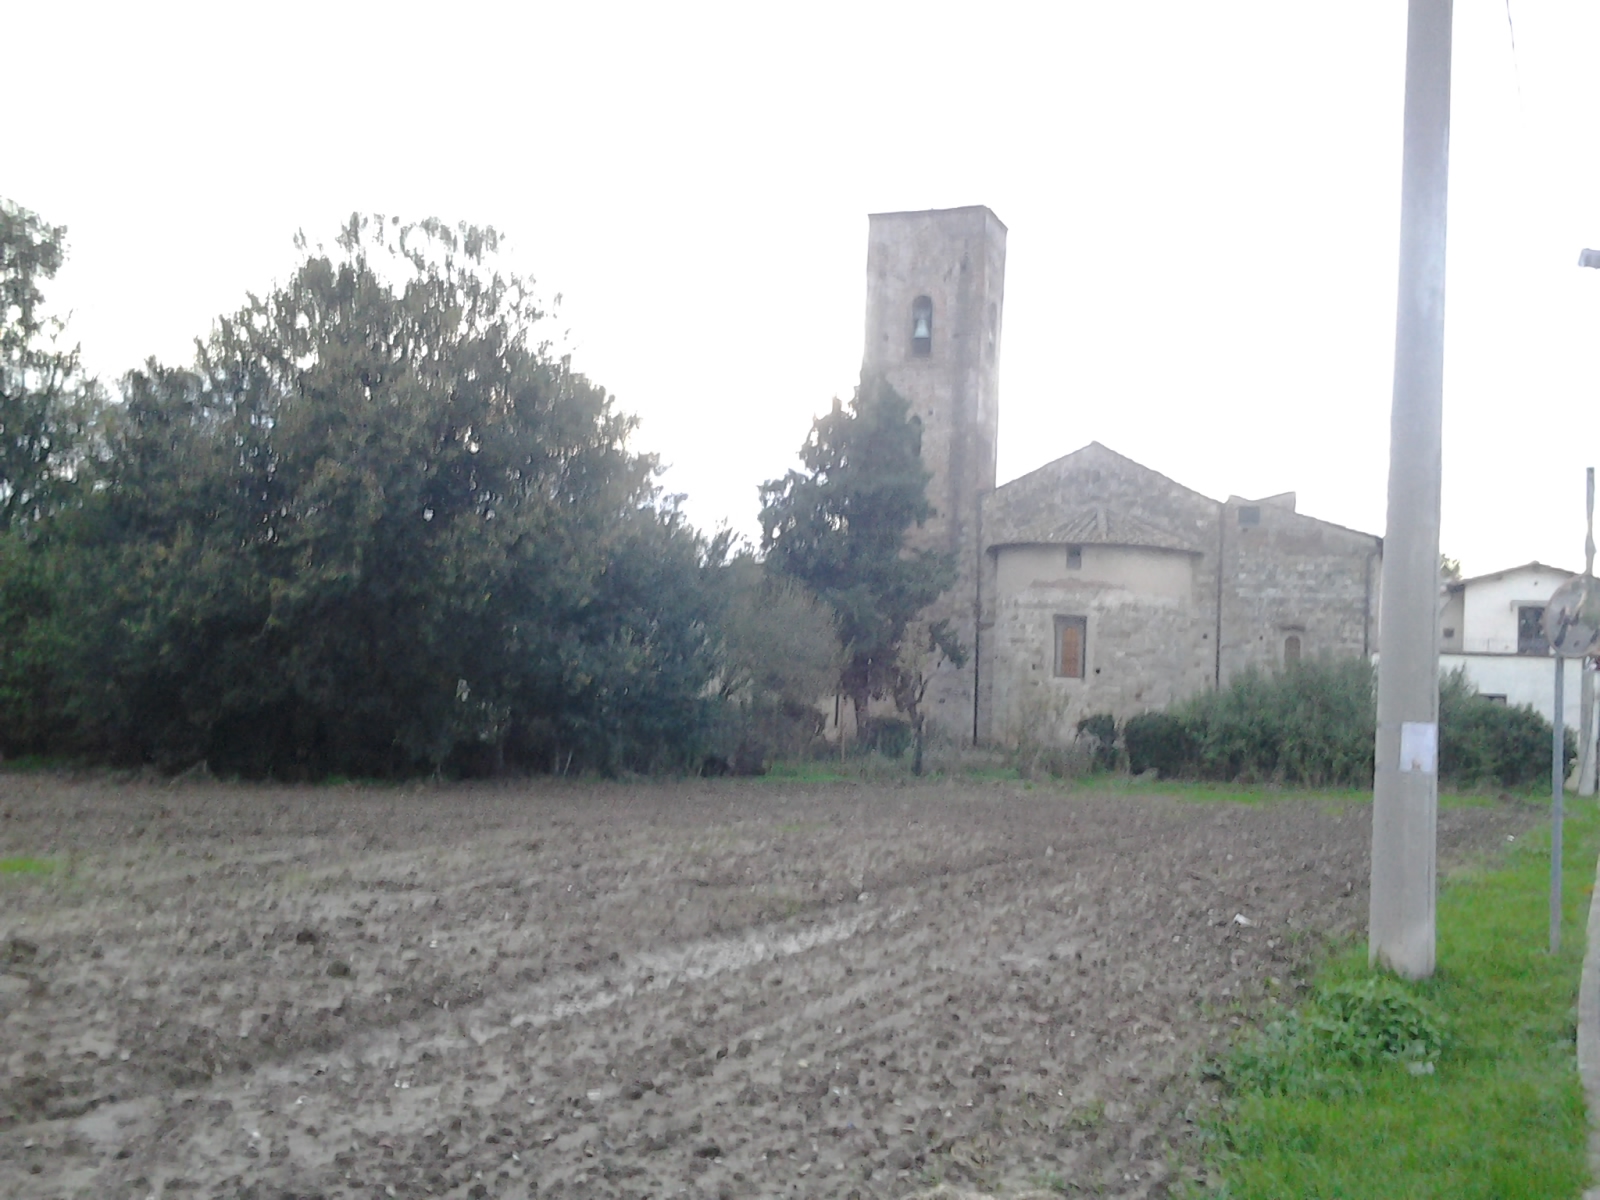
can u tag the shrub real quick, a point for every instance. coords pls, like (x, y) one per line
(1099, 732)
(1158, 741)
(747, 737)
(1485, 742)
(1310, 725)
(888, 736)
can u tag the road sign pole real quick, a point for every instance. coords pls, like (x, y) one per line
(1558, 787)
(1586, 742)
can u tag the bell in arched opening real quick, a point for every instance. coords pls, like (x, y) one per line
(922, 326)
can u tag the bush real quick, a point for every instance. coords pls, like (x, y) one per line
(1158, 741)
(747, 737)
(1310, 725)
(1099, 732)
(1485, 742)
(888, 736)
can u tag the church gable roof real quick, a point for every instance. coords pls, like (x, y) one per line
(1095, 525)
(1096, 496)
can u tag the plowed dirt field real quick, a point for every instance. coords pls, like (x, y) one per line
(718, 989)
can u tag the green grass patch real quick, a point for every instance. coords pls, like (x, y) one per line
(1207, 792)
(33, 764)
(27, 866)
(1210, 792)
(876, 768)
(1462, 1086)
(807, 771)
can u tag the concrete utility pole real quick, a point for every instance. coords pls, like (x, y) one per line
(1405, 800)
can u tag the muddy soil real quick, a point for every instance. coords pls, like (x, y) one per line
(708, 989)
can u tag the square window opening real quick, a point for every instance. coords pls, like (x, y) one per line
(1530, 630)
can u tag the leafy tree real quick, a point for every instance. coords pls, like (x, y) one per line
(46, 405)
(780, 655)
(377, 527)
(926, 645)
(840, 526)
(779, 642)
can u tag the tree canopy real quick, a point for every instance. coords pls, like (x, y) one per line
(376, 526)
(45, 403)
(840, 525)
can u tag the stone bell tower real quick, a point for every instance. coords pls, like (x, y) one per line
(935, 286)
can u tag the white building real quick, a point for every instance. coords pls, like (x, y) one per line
(1492, 625)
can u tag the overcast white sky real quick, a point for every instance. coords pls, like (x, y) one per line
(1203, 203)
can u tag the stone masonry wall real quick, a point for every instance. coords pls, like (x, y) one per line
(1141, 652)
(1281, 575)
(1294, 576)
(1144, 650)
(956, 258)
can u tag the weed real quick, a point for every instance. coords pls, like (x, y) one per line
(1362, 1023)
(1087, 1116)
(27, 866)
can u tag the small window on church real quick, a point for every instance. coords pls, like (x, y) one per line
(1291, 650)
(1250, 514)
(922, 326)
(1074, 558)
(1070, 638)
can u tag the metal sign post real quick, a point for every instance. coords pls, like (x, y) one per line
(1586, 762)
(1558, 788)
(1572, 628)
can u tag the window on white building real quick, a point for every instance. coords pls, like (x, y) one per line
(1530, 630)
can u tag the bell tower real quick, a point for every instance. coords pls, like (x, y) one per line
(935, 287)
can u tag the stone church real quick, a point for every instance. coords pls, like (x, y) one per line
(1092, 584)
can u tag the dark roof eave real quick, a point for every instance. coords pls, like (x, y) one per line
(1025, 543)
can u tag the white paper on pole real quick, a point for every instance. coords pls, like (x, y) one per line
(1419, 747)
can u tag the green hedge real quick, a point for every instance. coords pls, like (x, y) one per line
(1312, 725)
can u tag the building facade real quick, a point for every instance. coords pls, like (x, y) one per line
(1492, 627)
(935, 293)
(1093, 584)
(1109, 588)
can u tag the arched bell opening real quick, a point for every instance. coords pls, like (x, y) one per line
(922, 326)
